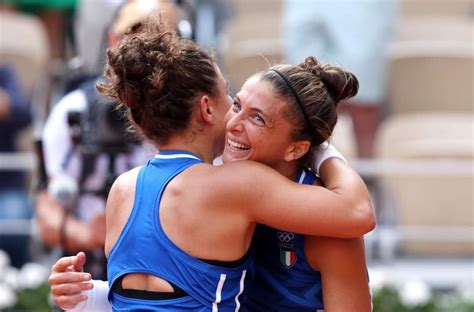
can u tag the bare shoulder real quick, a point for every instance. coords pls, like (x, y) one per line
(119, 206)
(124, 186)
(230, 173)
(241, 174)
(237, 182)
(242, 171)
(127, 178)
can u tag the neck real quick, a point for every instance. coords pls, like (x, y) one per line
(288, 169)
(193, 143)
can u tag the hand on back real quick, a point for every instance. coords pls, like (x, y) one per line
(67, 281)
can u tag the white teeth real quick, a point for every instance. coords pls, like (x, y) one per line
(237, 145)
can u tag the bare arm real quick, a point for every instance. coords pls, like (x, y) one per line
(78, 235)
(342, 209)
(343, 271)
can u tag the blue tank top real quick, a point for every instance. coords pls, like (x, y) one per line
(143, 247)
(283, 280)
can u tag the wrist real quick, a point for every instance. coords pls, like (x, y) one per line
(324, 152)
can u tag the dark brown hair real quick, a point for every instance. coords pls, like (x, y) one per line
(158, 76)
(319, 87)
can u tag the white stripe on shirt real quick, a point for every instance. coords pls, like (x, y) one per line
(162, 156)
(220, 285)
(303, 175)
(237, 302)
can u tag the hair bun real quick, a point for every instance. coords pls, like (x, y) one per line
(312, 65)
(340, 83)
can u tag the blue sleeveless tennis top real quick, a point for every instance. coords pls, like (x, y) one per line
(143, 247)
(283, 280)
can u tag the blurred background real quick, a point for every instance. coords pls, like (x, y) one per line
(409, 132)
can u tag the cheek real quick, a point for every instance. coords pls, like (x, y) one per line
(228, 116)
(270, 144)
(260, 140)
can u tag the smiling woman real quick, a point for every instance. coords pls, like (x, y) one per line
(274, 119)
(256, 127)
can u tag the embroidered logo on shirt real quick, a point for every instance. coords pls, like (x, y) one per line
(287, 255)
(287, 250)
(285, 237)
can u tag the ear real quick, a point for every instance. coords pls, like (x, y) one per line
(206, 109)
(296, 150)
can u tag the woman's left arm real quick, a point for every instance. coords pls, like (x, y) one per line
(343, 271)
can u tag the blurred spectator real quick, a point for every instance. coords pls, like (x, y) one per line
(91, 28)
(210, 17)
(55, 15)
(354, 34)
(85, 149)
(14, 116)
(92, 20)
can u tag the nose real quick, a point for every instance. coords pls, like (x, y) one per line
(234, 122)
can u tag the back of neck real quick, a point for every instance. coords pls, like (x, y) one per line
(200, 150)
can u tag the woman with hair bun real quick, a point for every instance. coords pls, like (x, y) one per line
(179, 230)
(296, 103)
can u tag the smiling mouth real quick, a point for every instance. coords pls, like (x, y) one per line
(237, 146)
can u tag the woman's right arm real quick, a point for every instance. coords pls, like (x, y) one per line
(341, 209)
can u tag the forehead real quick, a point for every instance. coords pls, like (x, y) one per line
(261, 94)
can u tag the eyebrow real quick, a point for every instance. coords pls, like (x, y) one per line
(255, 108)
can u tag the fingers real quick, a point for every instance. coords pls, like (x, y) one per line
(70, 289)
(67, 281)
(72, 263)
(79, 261)
(63, 264)
(68, 277)
(69, 302)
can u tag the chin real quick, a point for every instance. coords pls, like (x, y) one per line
(226, 158)
(229, 156)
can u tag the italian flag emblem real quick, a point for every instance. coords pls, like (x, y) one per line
(287, 257)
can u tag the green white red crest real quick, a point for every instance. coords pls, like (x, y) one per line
(287, 257)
